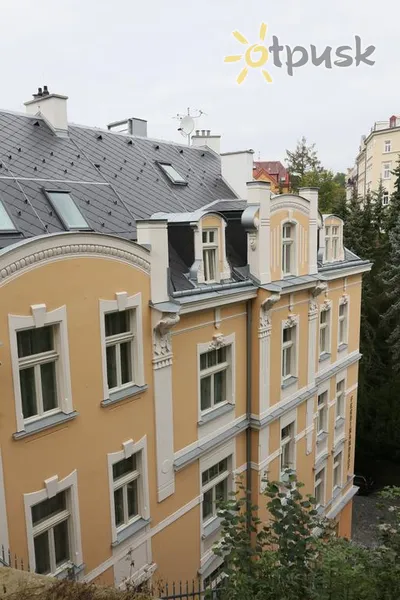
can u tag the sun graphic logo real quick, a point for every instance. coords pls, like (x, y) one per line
(255, 56)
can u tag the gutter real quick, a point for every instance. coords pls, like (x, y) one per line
(249, 321)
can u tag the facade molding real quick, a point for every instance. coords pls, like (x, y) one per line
(46, 249)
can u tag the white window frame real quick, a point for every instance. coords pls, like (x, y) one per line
(385, 199)
(323, 409)
(130, 448)
(320, 481)
(327, 326)
(124, 302)
(54, 486)
(230, 345)
(328, 242)
(40, 317)
(292, 241)
(337, 464)
(208, 247)
(228, 451)
(387, 145)
(344, 301)
(292, 345)
(342, 376)
(386, 170)
(290, 419)
(335, 239)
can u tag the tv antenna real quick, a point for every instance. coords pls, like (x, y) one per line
(187, 122)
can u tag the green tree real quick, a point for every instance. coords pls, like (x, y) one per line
(303, 159)
(393, 210)
(392, 281)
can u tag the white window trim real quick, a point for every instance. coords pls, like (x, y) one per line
(227, 451)
(54, 486)
(386, 196)
(229, 343)
(211, 246)
(386, 167)
(293, 256)
(385, 144)
(340, 484)
(321, 468)
(123, 302)
(288, 419)
(129, 448)
(342, 376)
(293, 321)
(344, 300)
(320, 408)
(325, 307)
(39, 318)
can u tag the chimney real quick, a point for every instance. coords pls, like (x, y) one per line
(52, 107)
(256, 222)
(237, 170)
(132, 126)
(311, 194)
(203, 137)
(154, 233)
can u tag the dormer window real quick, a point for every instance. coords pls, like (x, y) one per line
(210, 250)
(333, 243)
(5, 221)
(67, 211)
(288, 267)
(172, 174)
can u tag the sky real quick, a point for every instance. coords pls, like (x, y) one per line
(153, 59)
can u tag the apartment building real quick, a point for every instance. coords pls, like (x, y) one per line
(377, 158)
(161, 336)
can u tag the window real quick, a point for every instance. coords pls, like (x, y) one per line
(322, 419)
(67, 211)
(340, 399)
(287, 447)
(126, 480)
(335, 242)
(386, 170)
(119, 348)
(337, 470)
(319, 487)
(327, 243)
(388, 146)
(385, 198)
(210, 249)
(5, 221)
(324, 322)
(288, 249)
(51, 525)
(215, 483)
(172, 174)
(342, 324)
(288, 352)
(38, 365)
(214, 582)
(213, 378)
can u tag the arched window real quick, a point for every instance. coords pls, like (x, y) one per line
(288, 249)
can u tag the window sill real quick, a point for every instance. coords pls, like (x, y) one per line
(215, 413)
(288, 382)
(211, 527)
(336, 491)
(322, 436)
(65, 571)
(339, 422)
(45, 423)
(123, 394)
(342, 347)
(324, 356)
(130, 530)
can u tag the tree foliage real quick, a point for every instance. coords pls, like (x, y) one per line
(295, 554)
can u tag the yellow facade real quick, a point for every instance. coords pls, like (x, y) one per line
(273, 384)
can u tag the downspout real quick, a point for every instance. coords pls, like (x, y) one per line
(248, 407)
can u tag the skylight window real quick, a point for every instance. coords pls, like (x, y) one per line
(172, 174)
(5, 222)
(67, 210)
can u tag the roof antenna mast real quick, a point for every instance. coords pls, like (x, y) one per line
(187, 122)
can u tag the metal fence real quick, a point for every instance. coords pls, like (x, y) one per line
(9, 559)
(189, 590)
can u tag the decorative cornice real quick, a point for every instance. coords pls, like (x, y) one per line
(57, 252)
(291, 321)
(265, 317)
(312, 309)
(344, 299)
(162, 345)
(321, 286)
(326, 305)
(218, 341)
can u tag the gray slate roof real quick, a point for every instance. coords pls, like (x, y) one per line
(113, 178)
